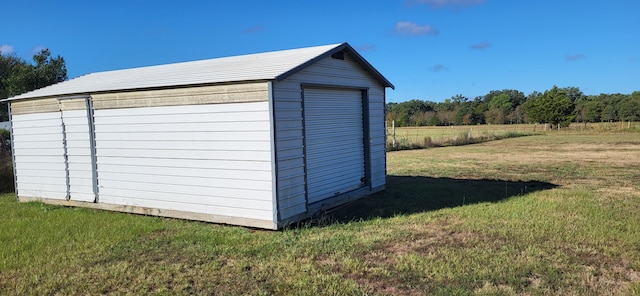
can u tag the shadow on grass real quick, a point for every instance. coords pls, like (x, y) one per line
(407, 195)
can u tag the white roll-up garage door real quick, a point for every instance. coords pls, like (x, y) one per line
(334, 142)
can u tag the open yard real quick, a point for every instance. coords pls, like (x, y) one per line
(556, 213)
(402, 138)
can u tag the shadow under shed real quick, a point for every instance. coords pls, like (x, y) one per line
(414, 194)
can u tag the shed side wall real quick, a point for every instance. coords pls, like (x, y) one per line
(289, 126)
(201, 158)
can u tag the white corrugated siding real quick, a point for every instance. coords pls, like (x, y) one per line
(211, 159)
(39, 155)
(289, 139)
(334, 142)
(79, 157)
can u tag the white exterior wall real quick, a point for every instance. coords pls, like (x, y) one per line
(289, 126)
(210, 159)
(39, 155)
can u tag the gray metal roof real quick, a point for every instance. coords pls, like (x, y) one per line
(275, 65)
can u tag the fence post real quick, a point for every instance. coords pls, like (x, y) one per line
(393, 133)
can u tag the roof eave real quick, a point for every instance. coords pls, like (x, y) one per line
(21, 97)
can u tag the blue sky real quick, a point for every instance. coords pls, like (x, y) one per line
(429, 49)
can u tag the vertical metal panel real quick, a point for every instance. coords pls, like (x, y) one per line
(366, 137)
(287, 106)
(13, 151)
(65, 155)
(92, 146)
(304, 150)
(334, 135)
(376, 123)
(211, 159)
(38, 155)
(274, 156)
(78, 153)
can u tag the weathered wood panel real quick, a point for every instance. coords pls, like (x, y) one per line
(73, 104)
(202, 95)
(35, 106)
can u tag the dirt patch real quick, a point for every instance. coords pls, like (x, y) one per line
(494, 289)
(382, 272)
(599, 272)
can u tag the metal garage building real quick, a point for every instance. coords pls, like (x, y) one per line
(259, 140)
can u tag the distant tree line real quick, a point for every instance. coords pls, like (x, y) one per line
(18, 76)
(556, 106)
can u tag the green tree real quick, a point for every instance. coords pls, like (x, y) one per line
(18, 76)
(592, 110)
(574, 93)
(629, 109)
(612, 104)
(502, 106)
(480, 107)
(554, 107)
(434, 121)
(408, 113)
(609, 113)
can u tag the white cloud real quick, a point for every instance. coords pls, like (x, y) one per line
(6, 49)
(365, 47)
(481, 45)
(37, 49)
(254, 29)
(438, 68)
(573, 57)
(443, 3)
(413, 29)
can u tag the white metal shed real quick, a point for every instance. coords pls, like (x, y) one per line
(259, 140)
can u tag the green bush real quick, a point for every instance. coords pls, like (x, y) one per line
(6, 174)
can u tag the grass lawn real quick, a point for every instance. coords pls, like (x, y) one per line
(557, 214)
(443, 132)
(456, 135)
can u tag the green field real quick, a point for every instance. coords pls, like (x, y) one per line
(403, 138)
(551, 214)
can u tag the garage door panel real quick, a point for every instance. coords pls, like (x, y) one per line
(334, 136)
